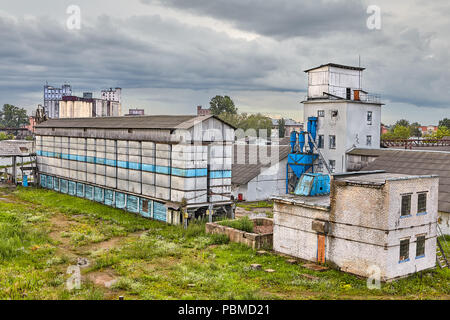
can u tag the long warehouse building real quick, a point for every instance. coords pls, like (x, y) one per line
(151, 165)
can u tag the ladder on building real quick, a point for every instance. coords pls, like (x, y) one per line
(442, 244)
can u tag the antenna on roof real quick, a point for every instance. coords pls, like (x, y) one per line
(359, 65)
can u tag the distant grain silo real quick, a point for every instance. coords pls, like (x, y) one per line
(149, 165)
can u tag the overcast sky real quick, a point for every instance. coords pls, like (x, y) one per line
(171, 55)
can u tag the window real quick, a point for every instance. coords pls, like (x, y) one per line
(334, 113)
(420, 246)
(422, 203)
(406, 205)
(404, 250)
(332, 142)
(369, 140)
(145, 205)
(321, 113)
(369, 118)
(321, 141)
(332, 165)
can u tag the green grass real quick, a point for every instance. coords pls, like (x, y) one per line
(243, 224)
(255, 205)
(159, 262)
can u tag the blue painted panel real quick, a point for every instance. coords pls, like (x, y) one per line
(134, 165)
(80, 190)
(162, 169)
(98, 194)
(148, 167)
(90, 159)
(43, 178)
(81, 158)
(122, 164)
(110, 162)
(159, 211)
(56, 185)
(89, 192)
(220, 174)
(109, 197)
(120, 200)
(72, 188)
(146, 204)
(64, 188)
(132, 204)
(99, 160)
(49, 182)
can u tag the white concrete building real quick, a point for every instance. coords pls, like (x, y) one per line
(348, 116)
(371, 221)
(258, 176)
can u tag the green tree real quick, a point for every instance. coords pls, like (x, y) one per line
(222, 104)
(281, 128)
(414, 129)
(246, 122)
(444, 123)
(4, 136)
(402, 132)
(402, 123)
(13, 117)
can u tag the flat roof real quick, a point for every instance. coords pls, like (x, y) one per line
(130, 122)
(377, 178)
(317, 202)
(337, 66)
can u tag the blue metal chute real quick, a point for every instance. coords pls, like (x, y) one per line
(301, 141)
(293, 141)
(312, 129)
(301, 162)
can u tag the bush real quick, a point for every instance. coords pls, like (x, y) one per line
(219, 239)
(243, 224)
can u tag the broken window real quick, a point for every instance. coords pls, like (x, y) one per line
(145, 205)
(420, 246)
(404, 250)
(332, 142)
(369, 118)
(368, 141)
(321, 141)
(321, 113)
(406, 205)
(334, 113)
(422, 202)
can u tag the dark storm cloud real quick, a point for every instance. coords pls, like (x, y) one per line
(280, 18)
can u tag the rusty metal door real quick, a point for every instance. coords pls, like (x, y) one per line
(321, 248)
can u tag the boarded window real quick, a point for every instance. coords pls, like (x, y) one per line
(422, 203)
(404, 249)
(406, 205)
(420, 246)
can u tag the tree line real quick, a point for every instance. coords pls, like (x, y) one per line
(402, 129)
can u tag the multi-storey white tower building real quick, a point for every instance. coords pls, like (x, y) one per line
(52, 96)
(347, 115)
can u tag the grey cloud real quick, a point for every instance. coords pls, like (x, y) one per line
(281, 19)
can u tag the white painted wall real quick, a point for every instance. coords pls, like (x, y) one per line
(350, 127)
(271, 181)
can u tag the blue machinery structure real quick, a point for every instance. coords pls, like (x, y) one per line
(301, 159)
